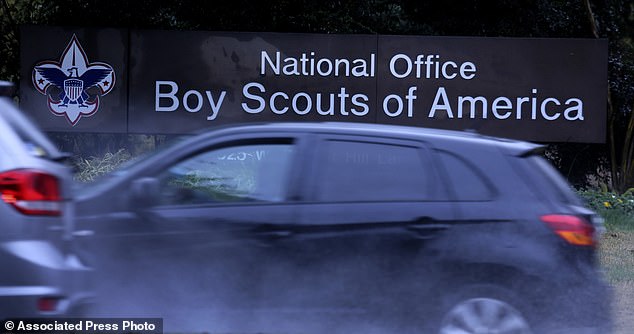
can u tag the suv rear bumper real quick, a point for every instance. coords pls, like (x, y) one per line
(46, 276)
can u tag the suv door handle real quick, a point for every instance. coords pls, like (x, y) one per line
(426, 223)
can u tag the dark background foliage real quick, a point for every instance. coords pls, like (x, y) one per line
(611, 19)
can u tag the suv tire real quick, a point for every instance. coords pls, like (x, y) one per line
(483, 309)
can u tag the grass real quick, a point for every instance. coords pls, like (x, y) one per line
(618, 221)
(617, 256)
(93, 167)
(616, 253)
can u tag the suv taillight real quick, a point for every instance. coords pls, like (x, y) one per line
(573, 229)
(31, 192)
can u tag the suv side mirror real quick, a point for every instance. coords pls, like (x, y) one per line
(144, 193)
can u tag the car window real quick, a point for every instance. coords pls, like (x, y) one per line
(365, 171)
(556, 183)
(467, 181)
(257, 172)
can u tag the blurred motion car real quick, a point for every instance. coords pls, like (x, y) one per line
(41, 275)
(420, 230)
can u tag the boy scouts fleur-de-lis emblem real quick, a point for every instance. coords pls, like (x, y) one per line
(73, 85)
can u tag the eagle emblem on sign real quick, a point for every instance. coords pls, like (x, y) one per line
(73, 85)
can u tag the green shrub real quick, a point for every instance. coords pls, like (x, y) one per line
(618, 210)
(89, 169)
(606, 200)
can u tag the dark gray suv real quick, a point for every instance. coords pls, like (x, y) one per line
(41, 275)
(346, 228)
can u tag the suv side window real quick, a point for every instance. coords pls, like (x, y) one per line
(255, 172)
(467, 180)
(353, 171)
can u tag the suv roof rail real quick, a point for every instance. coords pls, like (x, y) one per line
(7, 88)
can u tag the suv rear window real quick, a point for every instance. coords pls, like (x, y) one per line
(468, 182)
(555, 184)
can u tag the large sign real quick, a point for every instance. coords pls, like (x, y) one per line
(138, 81)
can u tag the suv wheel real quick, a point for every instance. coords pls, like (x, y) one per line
(482, 310)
